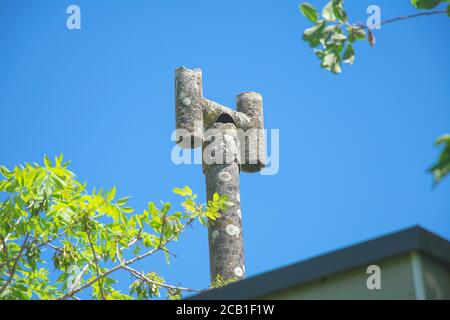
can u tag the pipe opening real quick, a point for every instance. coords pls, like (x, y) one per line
(225, 118)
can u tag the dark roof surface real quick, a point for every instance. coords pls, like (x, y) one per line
(412, 239)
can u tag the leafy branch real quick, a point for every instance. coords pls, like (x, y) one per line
(442, 167)
(333, 37)
(147, 279)
(46, 207)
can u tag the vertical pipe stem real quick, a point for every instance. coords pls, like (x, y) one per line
(226, 252)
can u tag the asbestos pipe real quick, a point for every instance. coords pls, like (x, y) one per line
(226, 250)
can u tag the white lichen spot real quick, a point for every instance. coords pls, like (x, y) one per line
(238, 197)
(187, 101)
(232, 230)
(229, 204)
(182, 95)
(239, 213)
(238, 271)
(225, 176)
(214, 234)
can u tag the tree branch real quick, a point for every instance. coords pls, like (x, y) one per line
(411, 16)
(162, 230)
(14, 267)
(141, 276)
(95, 262)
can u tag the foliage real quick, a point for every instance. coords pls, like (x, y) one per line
(46, 212)
(333, 37)
(427, 4)
(220, 281)
(442, 167)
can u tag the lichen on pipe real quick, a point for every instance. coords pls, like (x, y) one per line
(212, 110)
(226, 249)
(253, 142)
(189, 107)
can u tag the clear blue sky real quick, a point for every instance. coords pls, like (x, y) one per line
(354, 148)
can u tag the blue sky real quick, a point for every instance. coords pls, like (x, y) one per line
(354, 148)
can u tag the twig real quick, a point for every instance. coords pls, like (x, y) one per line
(162, 230)
(95, 262)
(141, 276)
(43, 243)
(13, 269)
(47, 243)
(411, 16)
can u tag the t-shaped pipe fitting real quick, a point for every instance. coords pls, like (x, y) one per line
(235, 142)
(194, 113)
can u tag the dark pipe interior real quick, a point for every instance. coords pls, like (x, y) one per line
(225, 118)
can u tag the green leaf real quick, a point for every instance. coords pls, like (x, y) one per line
(112, 250)
(336, 68)
(328, 60)
(66, 164)
(356, 33)
(331, 61)
(138, 220)
(5, 172)
(58, 160)
(338, 36)
(443, 139)
(213, 215)
(152, 208)
(111, 194)
(167, 255)
(47, 162)
(39, 179)
(442, 167)
(349, 55)
(339, 11)
(127, 209)
(314, 35)
(425, 4)
(328, 12)
(165, 208)
(309, 11)
(178, 215)
(177, 191)
(314, 30)
(186, 191)
(122, 201)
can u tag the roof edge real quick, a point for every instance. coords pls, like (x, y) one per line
(411, 239)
